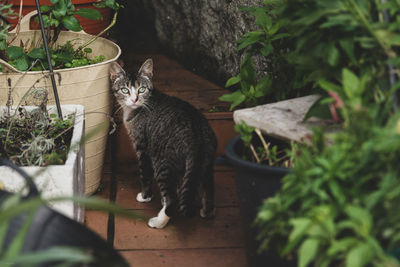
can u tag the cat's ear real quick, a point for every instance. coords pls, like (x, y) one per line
(147, 68)
(115, 71)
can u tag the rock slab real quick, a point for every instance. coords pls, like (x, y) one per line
(284, 119)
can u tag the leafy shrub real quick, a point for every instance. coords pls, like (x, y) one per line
(269, 43)
(339, 205)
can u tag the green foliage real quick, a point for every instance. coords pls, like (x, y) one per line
(65, 56)
(246, 133)
(339, 204)
(259, 150)
(311, 41)
(275, 80)
(60, 14)
(338, 207)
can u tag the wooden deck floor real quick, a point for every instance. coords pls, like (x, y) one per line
(184, 242)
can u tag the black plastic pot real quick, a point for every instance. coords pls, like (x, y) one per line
(254, 183)
(50, 229)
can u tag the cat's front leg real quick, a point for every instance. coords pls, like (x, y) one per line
(162, 218)
(146, 178)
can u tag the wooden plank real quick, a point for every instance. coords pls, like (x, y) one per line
(224, 231)
(97, 222)
(232, 257)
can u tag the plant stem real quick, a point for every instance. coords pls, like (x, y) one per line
(266, 146)
(254, 153)
(114, 20)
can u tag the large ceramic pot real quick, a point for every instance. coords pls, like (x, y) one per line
(88, 86)
(254, 183)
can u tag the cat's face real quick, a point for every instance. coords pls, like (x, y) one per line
(132, 93)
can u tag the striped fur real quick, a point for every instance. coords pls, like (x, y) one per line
(174, 143)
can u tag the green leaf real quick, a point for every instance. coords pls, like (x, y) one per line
(263, 86)
(359, 256)
(71, 23)
(266, 50)
(300, 226)
(247, 73)
(236, 98)
(361, 217)
(59, 9)
(64, 254)
(89, 13)
(14, 52)
(280, 36)
(22, 63)
(45, 8)
(232, 81)
(3, 44)
(350, 83)
(348, 46)
(249, 39)
(64, 57)
(37, 53)
(341, 245)
(337, 191)
(329, 86)
(333, 56)
(307, 252)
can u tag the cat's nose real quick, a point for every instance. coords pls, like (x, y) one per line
(133, 99)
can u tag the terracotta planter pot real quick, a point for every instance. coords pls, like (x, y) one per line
(89, 26)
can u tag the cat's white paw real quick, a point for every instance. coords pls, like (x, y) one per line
(140, 198)
(160, 221)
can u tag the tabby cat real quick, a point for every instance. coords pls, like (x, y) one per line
(173, 141)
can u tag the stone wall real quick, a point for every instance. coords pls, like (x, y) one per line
(201, 34)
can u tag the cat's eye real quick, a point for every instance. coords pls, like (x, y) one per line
(141, 90)
(125, 90)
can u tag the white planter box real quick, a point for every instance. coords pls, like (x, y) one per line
(57, 180)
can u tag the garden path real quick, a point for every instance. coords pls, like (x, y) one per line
(184, 242)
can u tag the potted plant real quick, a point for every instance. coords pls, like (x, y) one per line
(46, 148)
(259, 162)
(89, 22)
(77, 82)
